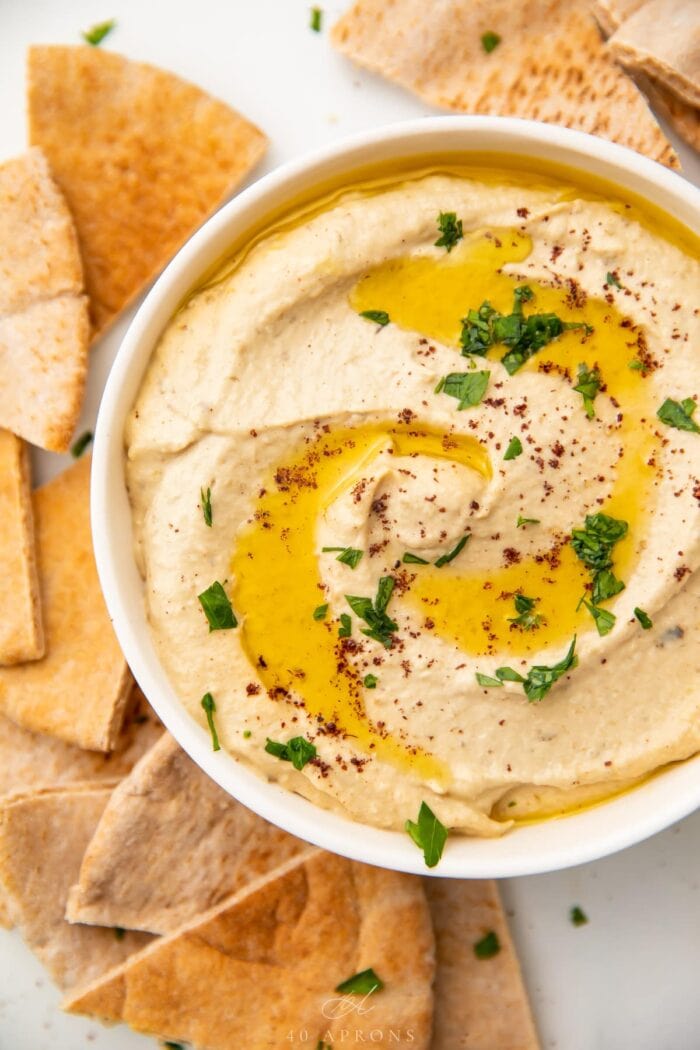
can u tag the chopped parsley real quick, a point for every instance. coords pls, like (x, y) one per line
(380, 317)
(445, 559)
(515, 448)
(348, 555)
(450, 228)
(526, 521)
(205, 500)
(490, 41)
(373, 612)
(217, 608)
(679, 414)
(298, 751)
(540, 678)
(526, 618)
(364, 983)
(413, 559)
(488, 946)
(428, 834)
(96, 34)
(577, 916)
(605, 585)
(646, 622)
(604, 620)
(468, 387)
(210, 709)
(316, 19)
(320, 611)
(588, 386)
(486, 327)
(247, 734)
(345, 629)
(612, 278)
(370, 681)
(487, 681)
(593, 545)
(80, 444)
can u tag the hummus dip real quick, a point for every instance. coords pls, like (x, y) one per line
(415, 488)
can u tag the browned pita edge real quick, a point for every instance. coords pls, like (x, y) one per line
(283, 943)
(44, 327)
(572, 80)
(685, 119)
(79, 690)
(43, 835)
(142, 157)
(662, 40)
(610, 14)
(21, 628)
(478, 1003)
(170, 845)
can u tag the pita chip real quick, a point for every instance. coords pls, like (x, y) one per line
(42, 838)
(44, 326)
(662, 41)
(21, 629)
(79, 690)
(550, 64)
(284, 943)
(142, 157)
(479, 1003)
(170, 845)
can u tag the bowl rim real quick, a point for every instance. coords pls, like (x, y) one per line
(529, 848)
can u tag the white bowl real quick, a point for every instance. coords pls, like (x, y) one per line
(527, 849)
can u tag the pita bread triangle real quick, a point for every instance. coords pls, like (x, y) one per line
(662, 40)
(21, 628)
(550, 63)
(141, 156)
(268, 961)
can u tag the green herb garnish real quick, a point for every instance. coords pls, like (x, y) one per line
(679, 414)
(467, 387)
(445, 559)
(450, 228)
(298, 751)
(345, 629)
(540, 678)
(612, 278)
(646, 622)
(413, 559)
(526, 521)
(80, 444)
(348, 555)
(205, 500)
(515, 448)
(364, 983)
(604, 620)
(593, 544)
(316, 19)
(490, 41)
(488, 946)
(217, 608)
(487, 681)
(370, 681)
(380, 317)
(96, 34)
(605, 585)
(320, 611)
(379, 625)
(247, 734)
(588, 386)
(577, 916)
(428, 834)
(525, 618)
(209, 709)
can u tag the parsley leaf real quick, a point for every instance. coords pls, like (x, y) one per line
(588, 386)
(80, 444)
(209, 709)
(316, 19)
(364, 983)
(380, 317)
(604, 620)
(320, 611)
(679, 414)
(577, 916)
(515, 448)
(370, 681)
(345, 629)
(540, 678)
(348, 555)
(445, 559)
(217, 608)
(612, 278)
(413, 559)
(526, 521)
(467, 387)
(488, 946)
(205, 501)
(646, 622)
(490, 41)
(428, 834)
(487, 681)
(605, 585)
(593, 544)
(526, 618)
(450, 228)
(379, 625)
(298, 751)
(96, 34)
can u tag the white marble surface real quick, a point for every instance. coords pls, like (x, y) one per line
(629, 979)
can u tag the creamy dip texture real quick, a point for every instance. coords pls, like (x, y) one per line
(418, 471)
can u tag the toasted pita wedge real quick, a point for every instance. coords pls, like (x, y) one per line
(78, 691)
(44, 327)
(170, 845)
(479, 1003)
(662, 41)
(21, 629)
(141, 156)
(682, 116)
(550, 64)
(612, 13)
(42, 838)
(282, 945)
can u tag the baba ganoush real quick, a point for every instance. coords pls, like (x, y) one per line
(415, 487)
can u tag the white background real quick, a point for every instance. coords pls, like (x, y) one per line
(629, 979)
